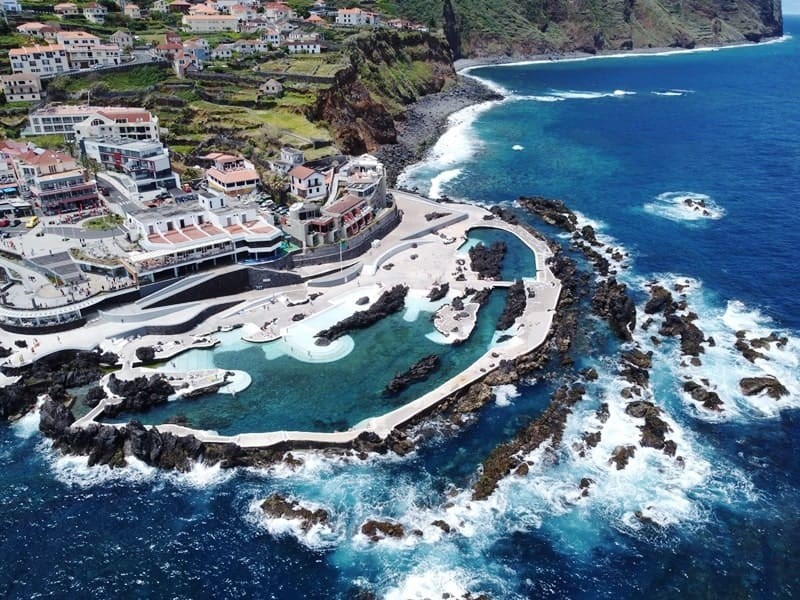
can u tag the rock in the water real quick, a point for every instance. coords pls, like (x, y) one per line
(487, 261)
(362, 301)
(390, 302)
(752, 386)
(377, 530)
(277, 506)
(660, 301)
(419, 371)
(621, 455)
(438, 292)
(611, 301)
(707, 398)
(516, 300)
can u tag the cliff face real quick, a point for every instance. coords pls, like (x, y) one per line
(387, 70)
(504, 27)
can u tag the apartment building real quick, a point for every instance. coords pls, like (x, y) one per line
(22, 87)
(81, 121)
(40, 60)
(142, 166)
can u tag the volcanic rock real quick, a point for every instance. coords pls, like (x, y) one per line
(390, 302)
(515, 305)
(419, 371)
(278, 507)
(487, 261)
(752, 386)
(707, 398)
(377, 530)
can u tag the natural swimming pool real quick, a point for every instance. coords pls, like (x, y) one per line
(519, 261)
(290, 393)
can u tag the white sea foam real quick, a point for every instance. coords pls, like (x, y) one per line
(722, 365)
(505, 394)
(28, 425)
(75, 470)
(671, 93)
(517, 147)
(685, 206)
(433, 582)
(320, 535)
(582, 95)
(455, 147)
(438, 182)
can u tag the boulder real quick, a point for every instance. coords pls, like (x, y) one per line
(278, 507)
(660, 301)
(621, 455)
(516, 300)
(707, 398)
(752, 386)
(438, 292)
(487, 261)
(377, 530)
(612, 302)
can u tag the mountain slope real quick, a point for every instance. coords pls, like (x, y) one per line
(517, 27)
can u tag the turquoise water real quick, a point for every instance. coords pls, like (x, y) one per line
(519, 261)
(289, 394)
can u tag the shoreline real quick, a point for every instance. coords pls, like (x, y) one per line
(464, 65)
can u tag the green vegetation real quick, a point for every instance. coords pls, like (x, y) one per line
(103, 223)
(137, 78)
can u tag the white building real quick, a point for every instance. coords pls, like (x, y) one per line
(41, 60)
(179, 239)
(80, 121)
(230, 175)
(122, 38)
(210, 23)
(95, 13)
(307, 184)
(304, 47)
(22, 87)
(133, 11)
(12, 6)
(142, 167)
(65, 9)
(356, 17)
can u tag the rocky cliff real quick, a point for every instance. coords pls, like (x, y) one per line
(482, 28)
(386, 71)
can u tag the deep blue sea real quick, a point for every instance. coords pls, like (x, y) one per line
(624, 142)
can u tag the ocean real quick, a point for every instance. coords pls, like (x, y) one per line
(624, 142)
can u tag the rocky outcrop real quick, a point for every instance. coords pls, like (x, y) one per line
(369, 442)
(138, 395)
(660, 301)
(654, 430)
(691, 335)
(611, 301)
(278, 507)
(549, 426)
(377, 530)
(516, 300)
(552, 212)
(707, 398)
(64, 370)
(487, 261)
(621, 455)
(753, 386)
(419, 371)
(636, 367)
(390, 302)
(386, 70)
(438, 292)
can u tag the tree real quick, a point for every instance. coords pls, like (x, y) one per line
(273, 184)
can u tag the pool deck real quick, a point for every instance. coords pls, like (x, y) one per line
(418, 253)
